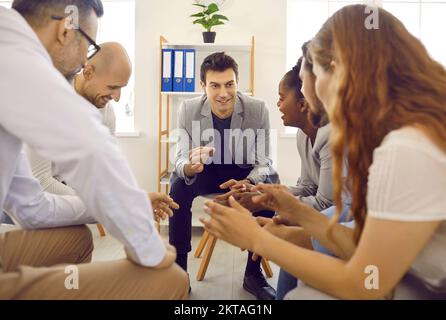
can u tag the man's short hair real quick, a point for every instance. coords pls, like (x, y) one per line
(218, 61)
(38, 13)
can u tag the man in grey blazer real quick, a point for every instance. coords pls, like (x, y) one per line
(224, 141)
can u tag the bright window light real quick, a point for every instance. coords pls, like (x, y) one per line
(423, 18)
(118, 24)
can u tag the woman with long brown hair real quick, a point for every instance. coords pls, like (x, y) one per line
(386, 99)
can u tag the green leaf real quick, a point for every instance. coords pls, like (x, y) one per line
(203, 22)
(212, 8)
(198, 15)
(219, 17)
(206, 19)
(198, 21)
(217, 23)
(214, 19)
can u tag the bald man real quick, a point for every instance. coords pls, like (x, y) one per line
(100, 81)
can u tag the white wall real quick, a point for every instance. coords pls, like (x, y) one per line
(264, 19)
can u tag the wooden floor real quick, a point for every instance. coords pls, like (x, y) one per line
(224, 276)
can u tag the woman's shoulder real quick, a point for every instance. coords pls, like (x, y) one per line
(412, 138)
(323, 137)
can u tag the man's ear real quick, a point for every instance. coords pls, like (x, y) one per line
(64, 35)
(88, 71)
(203, 86)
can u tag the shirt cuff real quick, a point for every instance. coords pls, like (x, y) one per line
(148, 252)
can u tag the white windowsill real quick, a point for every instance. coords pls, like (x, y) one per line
(132, 134)
(286, 135)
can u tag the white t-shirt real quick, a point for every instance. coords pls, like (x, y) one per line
(109, 117)
(407, 182)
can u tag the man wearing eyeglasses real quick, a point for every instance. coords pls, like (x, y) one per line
(101, 80)
(39, 107)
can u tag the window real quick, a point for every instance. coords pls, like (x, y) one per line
(423, 18)
(118, 24)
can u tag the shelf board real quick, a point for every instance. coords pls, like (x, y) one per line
(179, 93)
(192, 94)
(209, 46)
(170, 140)
(165, 180)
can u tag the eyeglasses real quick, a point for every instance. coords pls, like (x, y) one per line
(93, 47)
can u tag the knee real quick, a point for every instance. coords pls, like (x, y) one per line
(179, 280)
(180, 191)
(82, 236)
(171, 283)
(177, 185)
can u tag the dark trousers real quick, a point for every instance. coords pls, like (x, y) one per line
(207, 182)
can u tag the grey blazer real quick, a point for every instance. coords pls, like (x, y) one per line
(250, 133)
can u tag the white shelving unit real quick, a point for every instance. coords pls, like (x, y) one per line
(191, 94)
(208, 47)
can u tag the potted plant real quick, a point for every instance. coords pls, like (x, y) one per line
(208, 19)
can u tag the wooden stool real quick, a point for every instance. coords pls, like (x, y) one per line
(209, 241)
(101, 229)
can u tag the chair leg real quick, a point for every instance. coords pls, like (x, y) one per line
(101, 229)
(202, 244)
(207, 257)
(267, 268)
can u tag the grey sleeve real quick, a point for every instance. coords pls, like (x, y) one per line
(305, 185)
(263, 163)
(303, 188)
(323, 198)
(183, 146)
